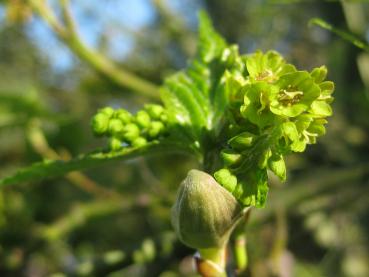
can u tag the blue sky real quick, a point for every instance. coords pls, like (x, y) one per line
(114, 18)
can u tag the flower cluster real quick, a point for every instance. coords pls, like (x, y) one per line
(276, 110)
(125, 129)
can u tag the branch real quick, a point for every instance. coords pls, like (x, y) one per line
(68, 34)
(41, 146)
(358, 42)
(53, 168)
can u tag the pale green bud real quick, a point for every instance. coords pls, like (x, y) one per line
(226, 179)
(242, 141)
(99, 124)
(131, 132)
(204, 213)
(143, 119)
(123, 115)
(277, 166)
(154, 110)
(139, 142)
(230, 157)
(115, 126)
(155, 129)
(115, 144)
(107, 111)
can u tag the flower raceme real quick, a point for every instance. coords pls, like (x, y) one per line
(125, 129)
(281, 110)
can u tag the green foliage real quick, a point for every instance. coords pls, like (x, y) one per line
(53, 168)
(257, 107)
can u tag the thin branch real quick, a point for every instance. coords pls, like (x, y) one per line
(41, 146)
(68, 34)
(343, 34)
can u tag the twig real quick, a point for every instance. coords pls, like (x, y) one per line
(78, 216)
(240, 246)
(343, 34)
(41, 146)
(68, 34)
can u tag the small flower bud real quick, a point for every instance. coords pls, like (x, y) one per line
(230, 157)
(204, 213)
(155, 129)
(123, 115)
(242, 141)
(115, 144)
(115, 126)
(154, 111)
(139, 142)
(277, 166)
(226, 179)
(143, 119)
(107, 111)
(99, 124)
(131, 132)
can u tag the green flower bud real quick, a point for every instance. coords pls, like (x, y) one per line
(155, 111)
(131, 132)
(226, 179)
(115, 126)
(143, 119)
(115, 144)
(277, 166)
(155, 129)
(123, 115)
(204, 213)
(230, 157)
(107, 111)
(99, 124)
(139, 142)
(319, 74)
(242, 141)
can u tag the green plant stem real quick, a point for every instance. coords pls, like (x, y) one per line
(280, 240)
(211, 262)
(240, 252)
(68, 34)
(240, 244)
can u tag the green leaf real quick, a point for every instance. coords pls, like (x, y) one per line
(211, 44)
(53, 168)
(252, 188)
(189, 95)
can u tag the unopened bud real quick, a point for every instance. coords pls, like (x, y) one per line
(204, 213)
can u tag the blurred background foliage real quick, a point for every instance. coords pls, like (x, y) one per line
(114, 220)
